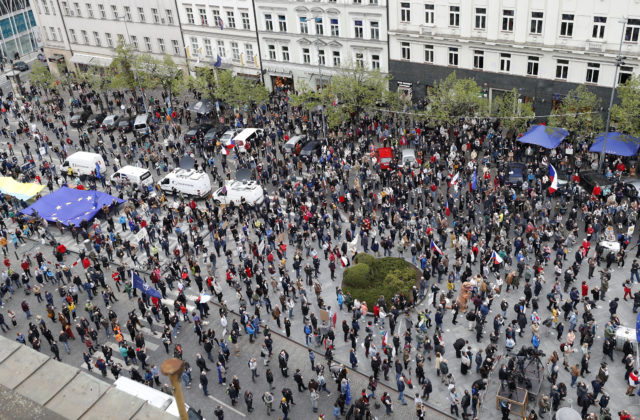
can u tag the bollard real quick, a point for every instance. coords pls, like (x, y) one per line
(173, 368)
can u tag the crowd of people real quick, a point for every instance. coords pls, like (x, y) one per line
(537, 260)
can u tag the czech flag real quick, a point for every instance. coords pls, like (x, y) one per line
(385, 338)
(554, 179)
(497, 259)
(446, 208)
(435, 248)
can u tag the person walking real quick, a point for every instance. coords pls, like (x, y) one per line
(204, 383)
(267, 398)
(284, 406)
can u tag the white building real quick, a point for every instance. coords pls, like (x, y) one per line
(309, 41)
(543, 47)
(217, 28)
(86, 32)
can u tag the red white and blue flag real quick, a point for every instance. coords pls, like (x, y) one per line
(454, 180)
(435, 248)
(554, 179)
(446, 208)
(497, 259)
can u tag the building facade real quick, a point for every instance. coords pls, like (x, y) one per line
(86, 32)
(20, 33)
(542, 47)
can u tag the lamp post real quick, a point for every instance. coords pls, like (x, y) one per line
(619, 62)
(135, 74)
(321, 86)
(173, 368)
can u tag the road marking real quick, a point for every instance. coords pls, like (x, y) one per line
(240, 413)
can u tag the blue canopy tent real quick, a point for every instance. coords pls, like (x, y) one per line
(70, 206)
(547, 137)
(617, 144)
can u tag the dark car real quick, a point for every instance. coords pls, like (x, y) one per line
(194, 132)
(96, 120)
(80, 118)
(111, 122)
(589, 179)
(20, 66)
(516, 173)
(125, 125)
(213, 133)
(309, 150)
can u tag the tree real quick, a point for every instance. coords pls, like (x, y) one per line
(238, 91)
(124, 66)
(41, 77)
(626, 115)
(579, 113)
(453, 98)
(512, 113)
(98, 80)
(165, 74)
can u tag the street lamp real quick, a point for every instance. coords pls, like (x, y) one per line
(619, 62)
(316, 20)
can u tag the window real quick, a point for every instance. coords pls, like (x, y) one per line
(359, 60)
(321, 59)
(216, 17)
(505, 62)
(566, 25)
(96, 38)
(536, 23)
(370, 1)
(156, 15)
(120, 38)
(195, 46)
(285, 53)
(507, 20)
(268, 22)
(532, 65)
(147, 43)
(231, 19)
(134, 42)
(453, 56)
(161, 45)
(454, 16)
(428, 53)
(208, 49)
(481, 18)
(375, 30)
(319, 27)
(90, 9)
(141, 16)
(304, 27)
(282, 23)
(562, 69)
(127, 13)
(335, 29)
(429, 14)
(222, 51)
(406, 50)
(405, 12)
(60, 33)
(599, 23)
(249, 50)
(45, 7)
(358, 31)
(72, 35)
(593, 72)
(176, 46)
(625, 74)
(375, 62)
(336, 58)
(76, 6)
(235, 51)
(478, 59)
(246, 23)
(306, 56)
(632, 31)
(203, 17)
(85, 37)
(114, 11)
(169, 14)
(52, 32)
(103, 14)
(65, 8)
(190, 19)
(272, 52)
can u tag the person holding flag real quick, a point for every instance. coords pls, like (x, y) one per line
(553, 176)
(474, 181)
(435, 248)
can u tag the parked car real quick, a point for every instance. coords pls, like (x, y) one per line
(79, 119)
(294, 142)
(384, 155)
(213, 133)
(95, 120)
(516, 173)
(111, 122)
(310, 149)
(20, 66)
(125, 125)
(193, 132)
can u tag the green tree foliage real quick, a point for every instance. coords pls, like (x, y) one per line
(579, 113)
(453, 98)
(626, 115)
(97, 79)
(41, 77)
(162, 73)
(238, 91)
(510, 111)
(124, 66)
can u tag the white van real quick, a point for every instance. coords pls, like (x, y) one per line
(141, 125)
(133, 175)
(235, 191)
(408, 158)
(290, 146)
(153, 397)
(246, 137)
(84, 163)
(190, 182)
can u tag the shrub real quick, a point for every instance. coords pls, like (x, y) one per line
(363, 258)
(357, 276)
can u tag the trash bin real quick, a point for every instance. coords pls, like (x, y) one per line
(87, 245)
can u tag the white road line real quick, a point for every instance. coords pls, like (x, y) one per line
(240, 413)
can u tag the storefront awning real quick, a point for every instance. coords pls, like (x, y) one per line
(91, 60)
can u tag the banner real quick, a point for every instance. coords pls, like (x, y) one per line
(138, 283)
